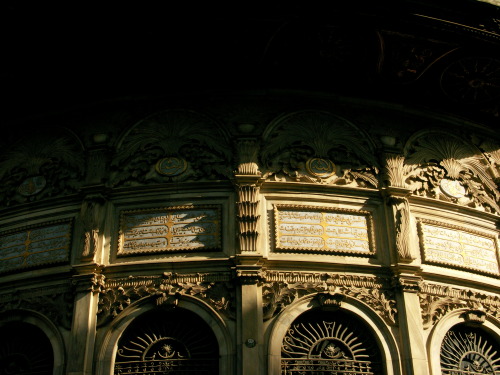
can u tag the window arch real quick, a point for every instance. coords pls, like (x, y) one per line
(25, 350)
(468, 350)
(321, 341)
(173, 341)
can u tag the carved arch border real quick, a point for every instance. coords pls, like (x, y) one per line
(439, 330)
(107, 339)
(48, 328)
(381, 331)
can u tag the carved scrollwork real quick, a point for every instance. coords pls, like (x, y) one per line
(55, 303)
(214, 289)
(41, 166)
(172, 146)
(438, 300)
(315, 146)
(283, 288)
(447, 168)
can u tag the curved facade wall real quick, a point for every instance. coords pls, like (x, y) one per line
(252, 212)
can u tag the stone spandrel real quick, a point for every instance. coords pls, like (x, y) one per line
(457, 247)
(170, 229)
(35, 246)
(322, 229)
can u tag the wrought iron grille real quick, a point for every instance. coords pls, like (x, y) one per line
(326, 366)
(469, 351)
(168, 342)
(322, 342)
(201, 366)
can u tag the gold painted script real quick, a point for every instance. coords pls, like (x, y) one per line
(35, 246)
(458, 248)
(170, 229)
(313, 228)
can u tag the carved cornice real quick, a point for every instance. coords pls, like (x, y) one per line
(283, 288)
(438, 300)
(215, 289)
(54, 302)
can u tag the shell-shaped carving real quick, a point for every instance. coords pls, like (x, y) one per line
(172, 145)
(317, 146)
(41, 165)
(445, 166)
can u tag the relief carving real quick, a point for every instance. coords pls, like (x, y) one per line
(41, 166)
(55, 303)
(214, 289)
(437, 300)
(172, 146)
(447, 168)
(92, 221)
(404, 243)
(318, 147)
(283, 288)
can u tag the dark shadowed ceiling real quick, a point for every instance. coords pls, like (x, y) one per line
(442, 55)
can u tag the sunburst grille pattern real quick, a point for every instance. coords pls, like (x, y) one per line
(468, 350)
(173, 342)
(322, 342)
(25, 350)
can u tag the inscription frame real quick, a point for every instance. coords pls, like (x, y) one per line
(421, 222)
(51, 262)
(367, 215)
(166, 250)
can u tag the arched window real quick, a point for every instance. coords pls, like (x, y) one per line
(25, 350)
(175, 342)
(326, 342)
(468, 350)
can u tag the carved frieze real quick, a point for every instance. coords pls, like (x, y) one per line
(283, 288)
(36, 245)
(215, 289)
(437, 300)
(41, 166)
(321, 229)
(318, 147)
(455, 246)
(180, 228)
(172, 146)
(56, 303)
(447, 168)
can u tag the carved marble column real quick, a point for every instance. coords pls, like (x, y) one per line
(250, 331)
(83, 329)
(412, 343)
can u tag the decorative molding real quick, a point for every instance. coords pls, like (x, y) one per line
(170, 229)
(172, 146)
(438, 300)
(282, 288)
(395, 170)
(402, 222)
(54, 302)
(447, 168)
(248, 151)
(455, 246)
(318, 147)
(323, 230)
(215, 289)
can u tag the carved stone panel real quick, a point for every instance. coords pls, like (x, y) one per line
(182, 228)
(457, 247)
(34, 246)
(310, 228)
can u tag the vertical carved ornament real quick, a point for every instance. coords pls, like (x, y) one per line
(401, 210)
(92, 220)
(247, 182)
(395, 170)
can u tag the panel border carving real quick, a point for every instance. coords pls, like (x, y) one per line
(422, 221)
(69, 234)
(218, 233)
(297, 207)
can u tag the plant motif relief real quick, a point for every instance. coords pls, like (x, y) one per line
(446, 168)
(313, 146)
(172, 146)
